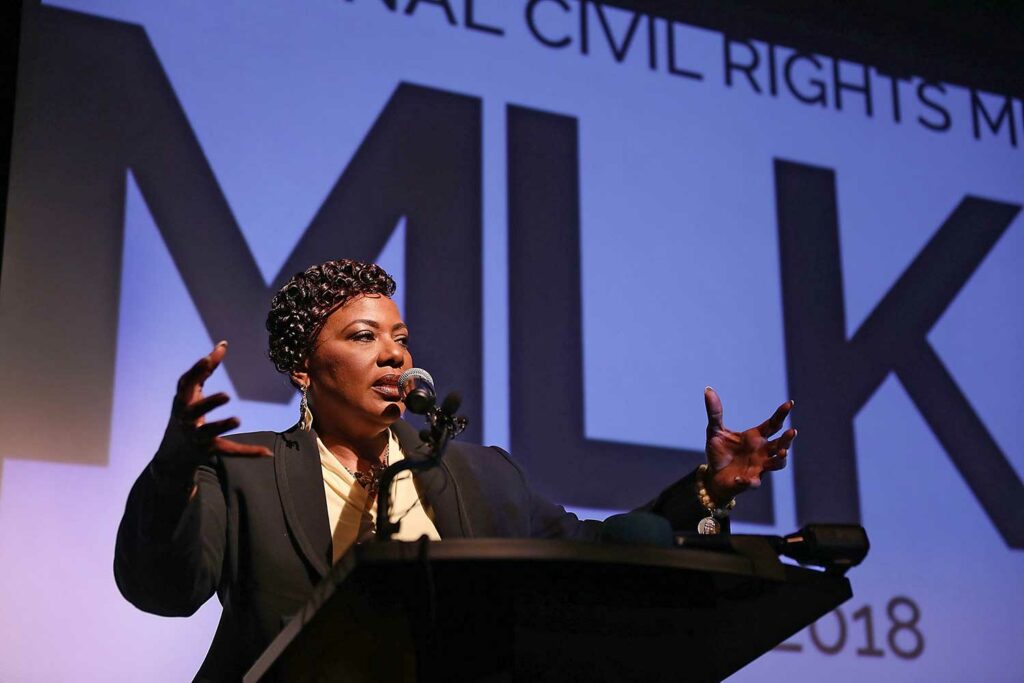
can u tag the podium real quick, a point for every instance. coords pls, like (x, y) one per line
(546, 610)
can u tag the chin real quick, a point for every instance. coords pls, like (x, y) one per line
(393, 411)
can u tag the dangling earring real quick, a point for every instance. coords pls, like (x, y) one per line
(305, 416)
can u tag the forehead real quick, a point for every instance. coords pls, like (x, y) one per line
(374, 307)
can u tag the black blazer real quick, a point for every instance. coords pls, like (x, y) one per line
(257, 531)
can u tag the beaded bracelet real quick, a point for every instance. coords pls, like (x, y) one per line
(710, 524)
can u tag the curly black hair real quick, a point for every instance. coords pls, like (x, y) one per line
(300, 308)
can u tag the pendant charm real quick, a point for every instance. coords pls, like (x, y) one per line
(708, 526)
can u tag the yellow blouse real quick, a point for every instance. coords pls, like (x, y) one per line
(349, 518)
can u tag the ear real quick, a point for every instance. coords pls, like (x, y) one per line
(299, 378)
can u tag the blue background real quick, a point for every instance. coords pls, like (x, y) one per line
(681, 289)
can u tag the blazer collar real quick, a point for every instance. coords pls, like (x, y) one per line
(301, 489)
(300, 485)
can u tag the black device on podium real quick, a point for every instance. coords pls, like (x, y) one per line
(548, 610)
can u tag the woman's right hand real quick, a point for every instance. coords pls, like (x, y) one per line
(190, 440)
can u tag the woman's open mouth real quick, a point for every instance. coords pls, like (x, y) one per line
(387, 386)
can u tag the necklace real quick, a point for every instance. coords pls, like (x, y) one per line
(371, 480)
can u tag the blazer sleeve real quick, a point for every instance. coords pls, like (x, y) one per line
(678, 504)
(171, 540)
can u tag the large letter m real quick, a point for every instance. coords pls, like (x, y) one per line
(96, 103)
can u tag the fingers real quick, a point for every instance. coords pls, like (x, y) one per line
(778, 449)
(195, 376)
(208, 438)
(206, 433)
(782, 443)
(228, 447)
(713, 405)
(188, 429)
(776, 462)
(741, 484)
(197, 409)
(774, 423)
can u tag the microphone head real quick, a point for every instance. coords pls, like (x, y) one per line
(416, 388)
(421, 376)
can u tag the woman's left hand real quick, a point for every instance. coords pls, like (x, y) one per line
(738, 460)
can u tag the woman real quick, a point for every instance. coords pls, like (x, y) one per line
(259, 518)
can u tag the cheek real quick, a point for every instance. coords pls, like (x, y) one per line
(334, 373)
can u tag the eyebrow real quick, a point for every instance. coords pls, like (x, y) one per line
(375, 325)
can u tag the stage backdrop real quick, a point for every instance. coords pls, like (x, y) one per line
(591, 215)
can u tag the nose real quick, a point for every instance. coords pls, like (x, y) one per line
(392, 354)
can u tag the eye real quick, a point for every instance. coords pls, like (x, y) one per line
(363, 336)
(403, 340)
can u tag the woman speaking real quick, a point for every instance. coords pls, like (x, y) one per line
(259, 518)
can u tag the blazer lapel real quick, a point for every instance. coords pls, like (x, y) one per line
(300, 485)
(437, 486)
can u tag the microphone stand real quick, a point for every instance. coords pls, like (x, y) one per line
(444, 426)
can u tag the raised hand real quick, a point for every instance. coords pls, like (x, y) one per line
(190, 440)
(738, 460)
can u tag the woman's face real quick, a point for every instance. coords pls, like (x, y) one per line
(354, 367)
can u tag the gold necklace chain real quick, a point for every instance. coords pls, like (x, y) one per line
(371, 480)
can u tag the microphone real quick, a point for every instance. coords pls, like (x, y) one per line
(416, 388)
(419, 397)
